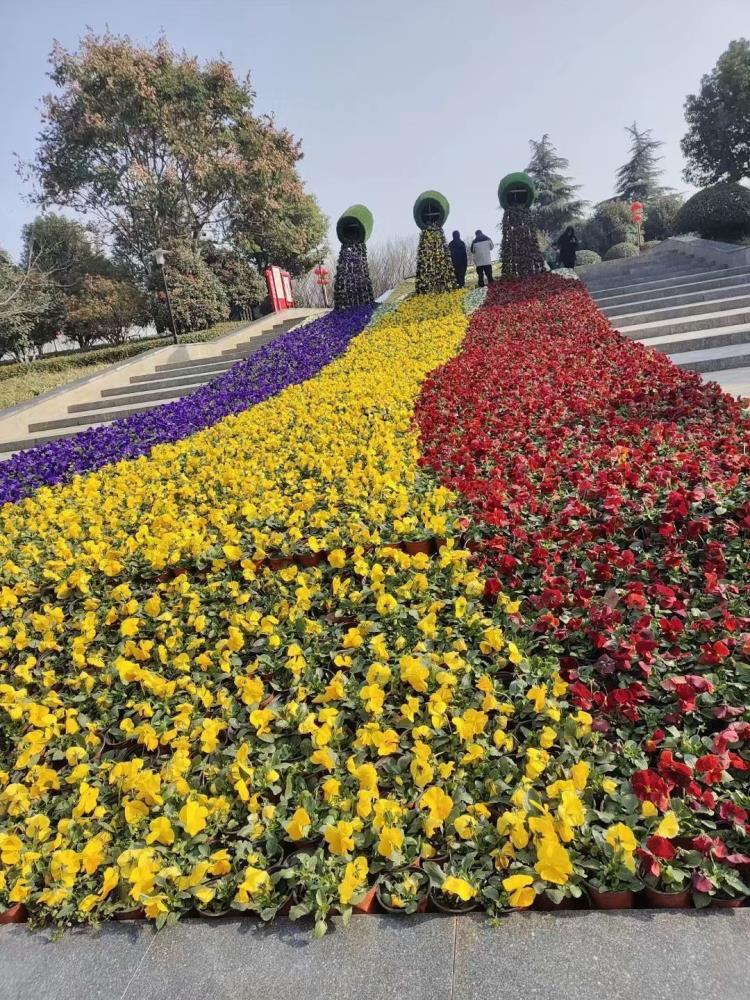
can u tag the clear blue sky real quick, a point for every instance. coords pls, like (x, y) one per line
(394, 96)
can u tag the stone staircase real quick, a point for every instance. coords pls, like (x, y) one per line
(162, 381)
(690, 300)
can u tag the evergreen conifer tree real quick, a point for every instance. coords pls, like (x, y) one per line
(555, 205)
(638, 179)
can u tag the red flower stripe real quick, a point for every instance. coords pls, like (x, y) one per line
(612, 493)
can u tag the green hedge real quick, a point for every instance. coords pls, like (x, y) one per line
(620, 251)
(721, 212)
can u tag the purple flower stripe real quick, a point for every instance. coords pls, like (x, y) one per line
(291, 358)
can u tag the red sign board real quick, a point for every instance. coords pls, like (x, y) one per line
(279, 285)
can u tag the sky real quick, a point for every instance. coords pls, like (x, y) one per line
(392, 97)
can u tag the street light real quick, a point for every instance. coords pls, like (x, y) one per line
(159, 259)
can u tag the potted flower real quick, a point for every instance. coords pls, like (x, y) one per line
(412, 536)
(718, 885)
(665, 874)
(454, 888)
(404, 891)
(323, 886)
(13, 914)
(260, 891)
(612, 880)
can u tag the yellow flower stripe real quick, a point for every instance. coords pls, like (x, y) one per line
(166, 737)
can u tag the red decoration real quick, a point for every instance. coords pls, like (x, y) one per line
(279, 284)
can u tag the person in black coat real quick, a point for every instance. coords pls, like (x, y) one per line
(567, 245)
(459, 257)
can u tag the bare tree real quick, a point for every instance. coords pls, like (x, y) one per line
(308, 293)
(389, 263)
(392, 261)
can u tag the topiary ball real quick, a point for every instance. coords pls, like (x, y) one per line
(587, 257)
(720, 212)
(621, 250)
(516, 189)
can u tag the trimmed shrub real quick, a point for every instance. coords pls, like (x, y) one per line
(621, 250)
(244, 287)
(650, 244)
(587, 257)
(198, 297)
(721, 212)
(661, 214)
(610, 224)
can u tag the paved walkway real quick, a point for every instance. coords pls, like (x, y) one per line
(640, 955)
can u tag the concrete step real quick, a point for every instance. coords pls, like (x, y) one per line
(711, 306)
(602, 296)
(641, 261)
(177, 368)
(8, 448)
(700, 340)
(128, 397)
(671, 300)
(735, 381)
(164, 379)
(242, 350)
(706, 321)
(715, 359)
(613, 279)
(144, 392)
(164, 389)
(714, 280)
(238, 353)
(94, 417)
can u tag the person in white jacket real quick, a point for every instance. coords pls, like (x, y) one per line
(481, 251)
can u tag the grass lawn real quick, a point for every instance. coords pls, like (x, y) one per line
(19, 382)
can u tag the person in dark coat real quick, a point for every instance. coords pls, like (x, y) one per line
(567, 245)
(459, 257)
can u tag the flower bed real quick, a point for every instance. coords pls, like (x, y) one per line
(610, 491)
(185, 726)
(291, 358)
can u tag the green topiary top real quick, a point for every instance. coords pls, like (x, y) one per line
(512, 184)
(355, 224)
(431, 209)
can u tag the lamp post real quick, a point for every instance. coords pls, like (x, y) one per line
(159, 259)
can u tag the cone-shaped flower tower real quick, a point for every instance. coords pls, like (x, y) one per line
(434, 268)
(520, 254)
(352, 286)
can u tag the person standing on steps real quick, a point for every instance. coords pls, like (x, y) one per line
(481, 251)
(567, 244)
(459, 257)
